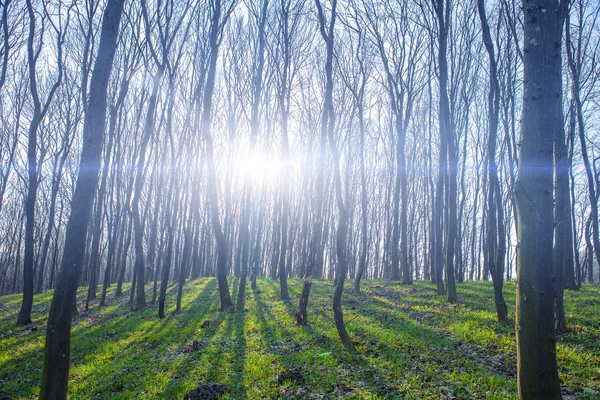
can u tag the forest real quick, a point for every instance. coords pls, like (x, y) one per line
(299, 199)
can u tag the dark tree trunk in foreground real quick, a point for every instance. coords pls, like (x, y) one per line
(537, 371)
(58, 335)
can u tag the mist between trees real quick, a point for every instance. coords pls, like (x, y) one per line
(359, 139)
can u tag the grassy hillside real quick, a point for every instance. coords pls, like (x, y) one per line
(410, 344)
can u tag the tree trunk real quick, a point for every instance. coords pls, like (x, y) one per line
(495, 234)
(39, 111)
(363, 198)
(575, 70)
(222, 252)
(316, 245)
(56, 361)
(449, 166)
(537, 371)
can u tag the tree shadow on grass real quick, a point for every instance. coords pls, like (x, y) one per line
(220, 358)
(394, 353)
(437, 355)
(313, 356)
(134, 349)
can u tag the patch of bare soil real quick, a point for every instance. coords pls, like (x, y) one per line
(292, 375)
(207, 391)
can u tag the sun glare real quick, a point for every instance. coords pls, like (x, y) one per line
(259, 168)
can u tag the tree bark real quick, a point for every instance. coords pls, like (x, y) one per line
(537, 371)
(57, 351)
(495, 233)
(449, 166)
(222, 252)
(39, 111)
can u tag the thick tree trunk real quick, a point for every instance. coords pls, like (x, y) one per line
(537, 371)
(56, 361)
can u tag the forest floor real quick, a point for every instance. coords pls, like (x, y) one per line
(409, 344)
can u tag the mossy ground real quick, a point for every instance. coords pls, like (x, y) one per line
(410, 344)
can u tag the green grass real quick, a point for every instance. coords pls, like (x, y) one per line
(410, 344)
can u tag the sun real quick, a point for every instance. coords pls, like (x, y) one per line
(259, 168)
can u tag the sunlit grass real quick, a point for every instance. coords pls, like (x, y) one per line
(410, 344)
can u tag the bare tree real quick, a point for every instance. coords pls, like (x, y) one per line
(56, 360)
(537, 370)
(260, 16)
(495, 234)
(220, 13)
(39, 112)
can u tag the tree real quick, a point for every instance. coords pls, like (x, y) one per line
(355, 79)
(578, 49)
(399, 52)
(537, 371)
(55, 376)
(218, 19)
(327, 123)
(260, 16)
(495, 235)
(39, 112)
(447, 173)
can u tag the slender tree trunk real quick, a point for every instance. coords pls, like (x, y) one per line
(126, 236)
(450, 165)
(495, 241)
(95, 252)
(39, 111)
(57, 176)
(222, 252)
(589, 248)
(563, 234)
(316, 245)
(363, 200)
(254, 127)
(589, 172)
(138, 228)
